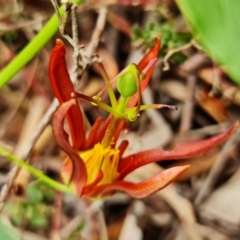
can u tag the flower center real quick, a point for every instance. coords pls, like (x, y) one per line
(100, 158)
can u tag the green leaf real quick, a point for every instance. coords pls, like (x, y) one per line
(216, 26)
(30, 51)
(7, 233)
(37, 173)
(34, 195)
(39, 221)
(170, 38)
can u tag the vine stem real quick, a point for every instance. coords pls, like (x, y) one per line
(30, 50)
(35, 172)
(33, 47)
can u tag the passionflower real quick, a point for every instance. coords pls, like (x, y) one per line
(96, 165)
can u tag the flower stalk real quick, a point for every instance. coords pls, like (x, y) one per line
(36, 173)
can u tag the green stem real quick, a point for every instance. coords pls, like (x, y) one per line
(100, 104)
(107, 82)
(121, 107)
(32, 48)
(35, 172)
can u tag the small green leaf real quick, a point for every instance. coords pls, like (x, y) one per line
(33, 194)
(137, 32)
(81, 226)
(170, 38)
(39, 221)
(9, 37)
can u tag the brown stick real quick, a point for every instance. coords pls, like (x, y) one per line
(188, 107)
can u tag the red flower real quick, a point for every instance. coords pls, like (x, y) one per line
(95, 166)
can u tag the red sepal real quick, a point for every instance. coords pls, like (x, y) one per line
(79, 172)
(179, 151)
(142, 189)
(63, 90)
(122, 147)
(89, 143)
(89, 187)
(153, 53)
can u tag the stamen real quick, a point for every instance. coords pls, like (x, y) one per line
(101, 159)
(95, 98)
(97, 103)
(103, 71)
(157, 106)
(105, 76)
(99, 94)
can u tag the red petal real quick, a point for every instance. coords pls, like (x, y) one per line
(89, 143)
(63, 89)
(79, 173)
(89, 187)
(153, 53)
(122, 147)
(102, 130)
(179, 151)
(143, 189)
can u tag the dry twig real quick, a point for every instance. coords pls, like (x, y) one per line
(188, 107)
(175, 50)
(217, 168)
(67, 231)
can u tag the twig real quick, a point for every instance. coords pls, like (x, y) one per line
(216, 85)
(208, 130)
(192, 64)
(26, 152)
(187, 112)
(29, 74)
(160, 125)
(41, 126)
(36, 109)
(63, 21)
(102, 225)
(87, 55)
(100, 24)
(56, 221)
(130, 228)
(175, 50)
(217, 168)
(70, 10)
(67, 231)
